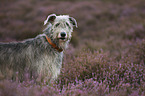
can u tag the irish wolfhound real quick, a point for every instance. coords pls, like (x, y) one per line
(39, 56)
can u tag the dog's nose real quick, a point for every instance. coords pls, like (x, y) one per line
(63, 34)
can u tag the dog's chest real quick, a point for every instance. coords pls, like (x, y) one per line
(50, 64)
(54, 59)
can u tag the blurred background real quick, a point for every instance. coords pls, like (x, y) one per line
(105, 24)
(108, 45)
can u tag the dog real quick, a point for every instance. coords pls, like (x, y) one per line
(40, 56)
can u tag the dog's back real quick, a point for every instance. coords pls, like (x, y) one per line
(14, 57)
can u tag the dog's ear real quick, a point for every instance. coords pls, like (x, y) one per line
(50, 19)
(73, 21)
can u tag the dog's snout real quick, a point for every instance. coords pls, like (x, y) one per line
(63, 34)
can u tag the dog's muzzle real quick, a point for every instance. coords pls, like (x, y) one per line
(62, 36)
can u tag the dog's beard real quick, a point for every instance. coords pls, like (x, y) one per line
(63, 43)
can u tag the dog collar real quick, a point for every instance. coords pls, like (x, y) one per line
(54, 45)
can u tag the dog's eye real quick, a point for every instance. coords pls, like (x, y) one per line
(67, 24)
(57, 24)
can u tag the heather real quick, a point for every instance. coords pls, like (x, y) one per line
(106, 55)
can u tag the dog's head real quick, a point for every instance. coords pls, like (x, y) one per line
(61, 27)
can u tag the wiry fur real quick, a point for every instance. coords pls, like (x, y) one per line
(36, 56)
